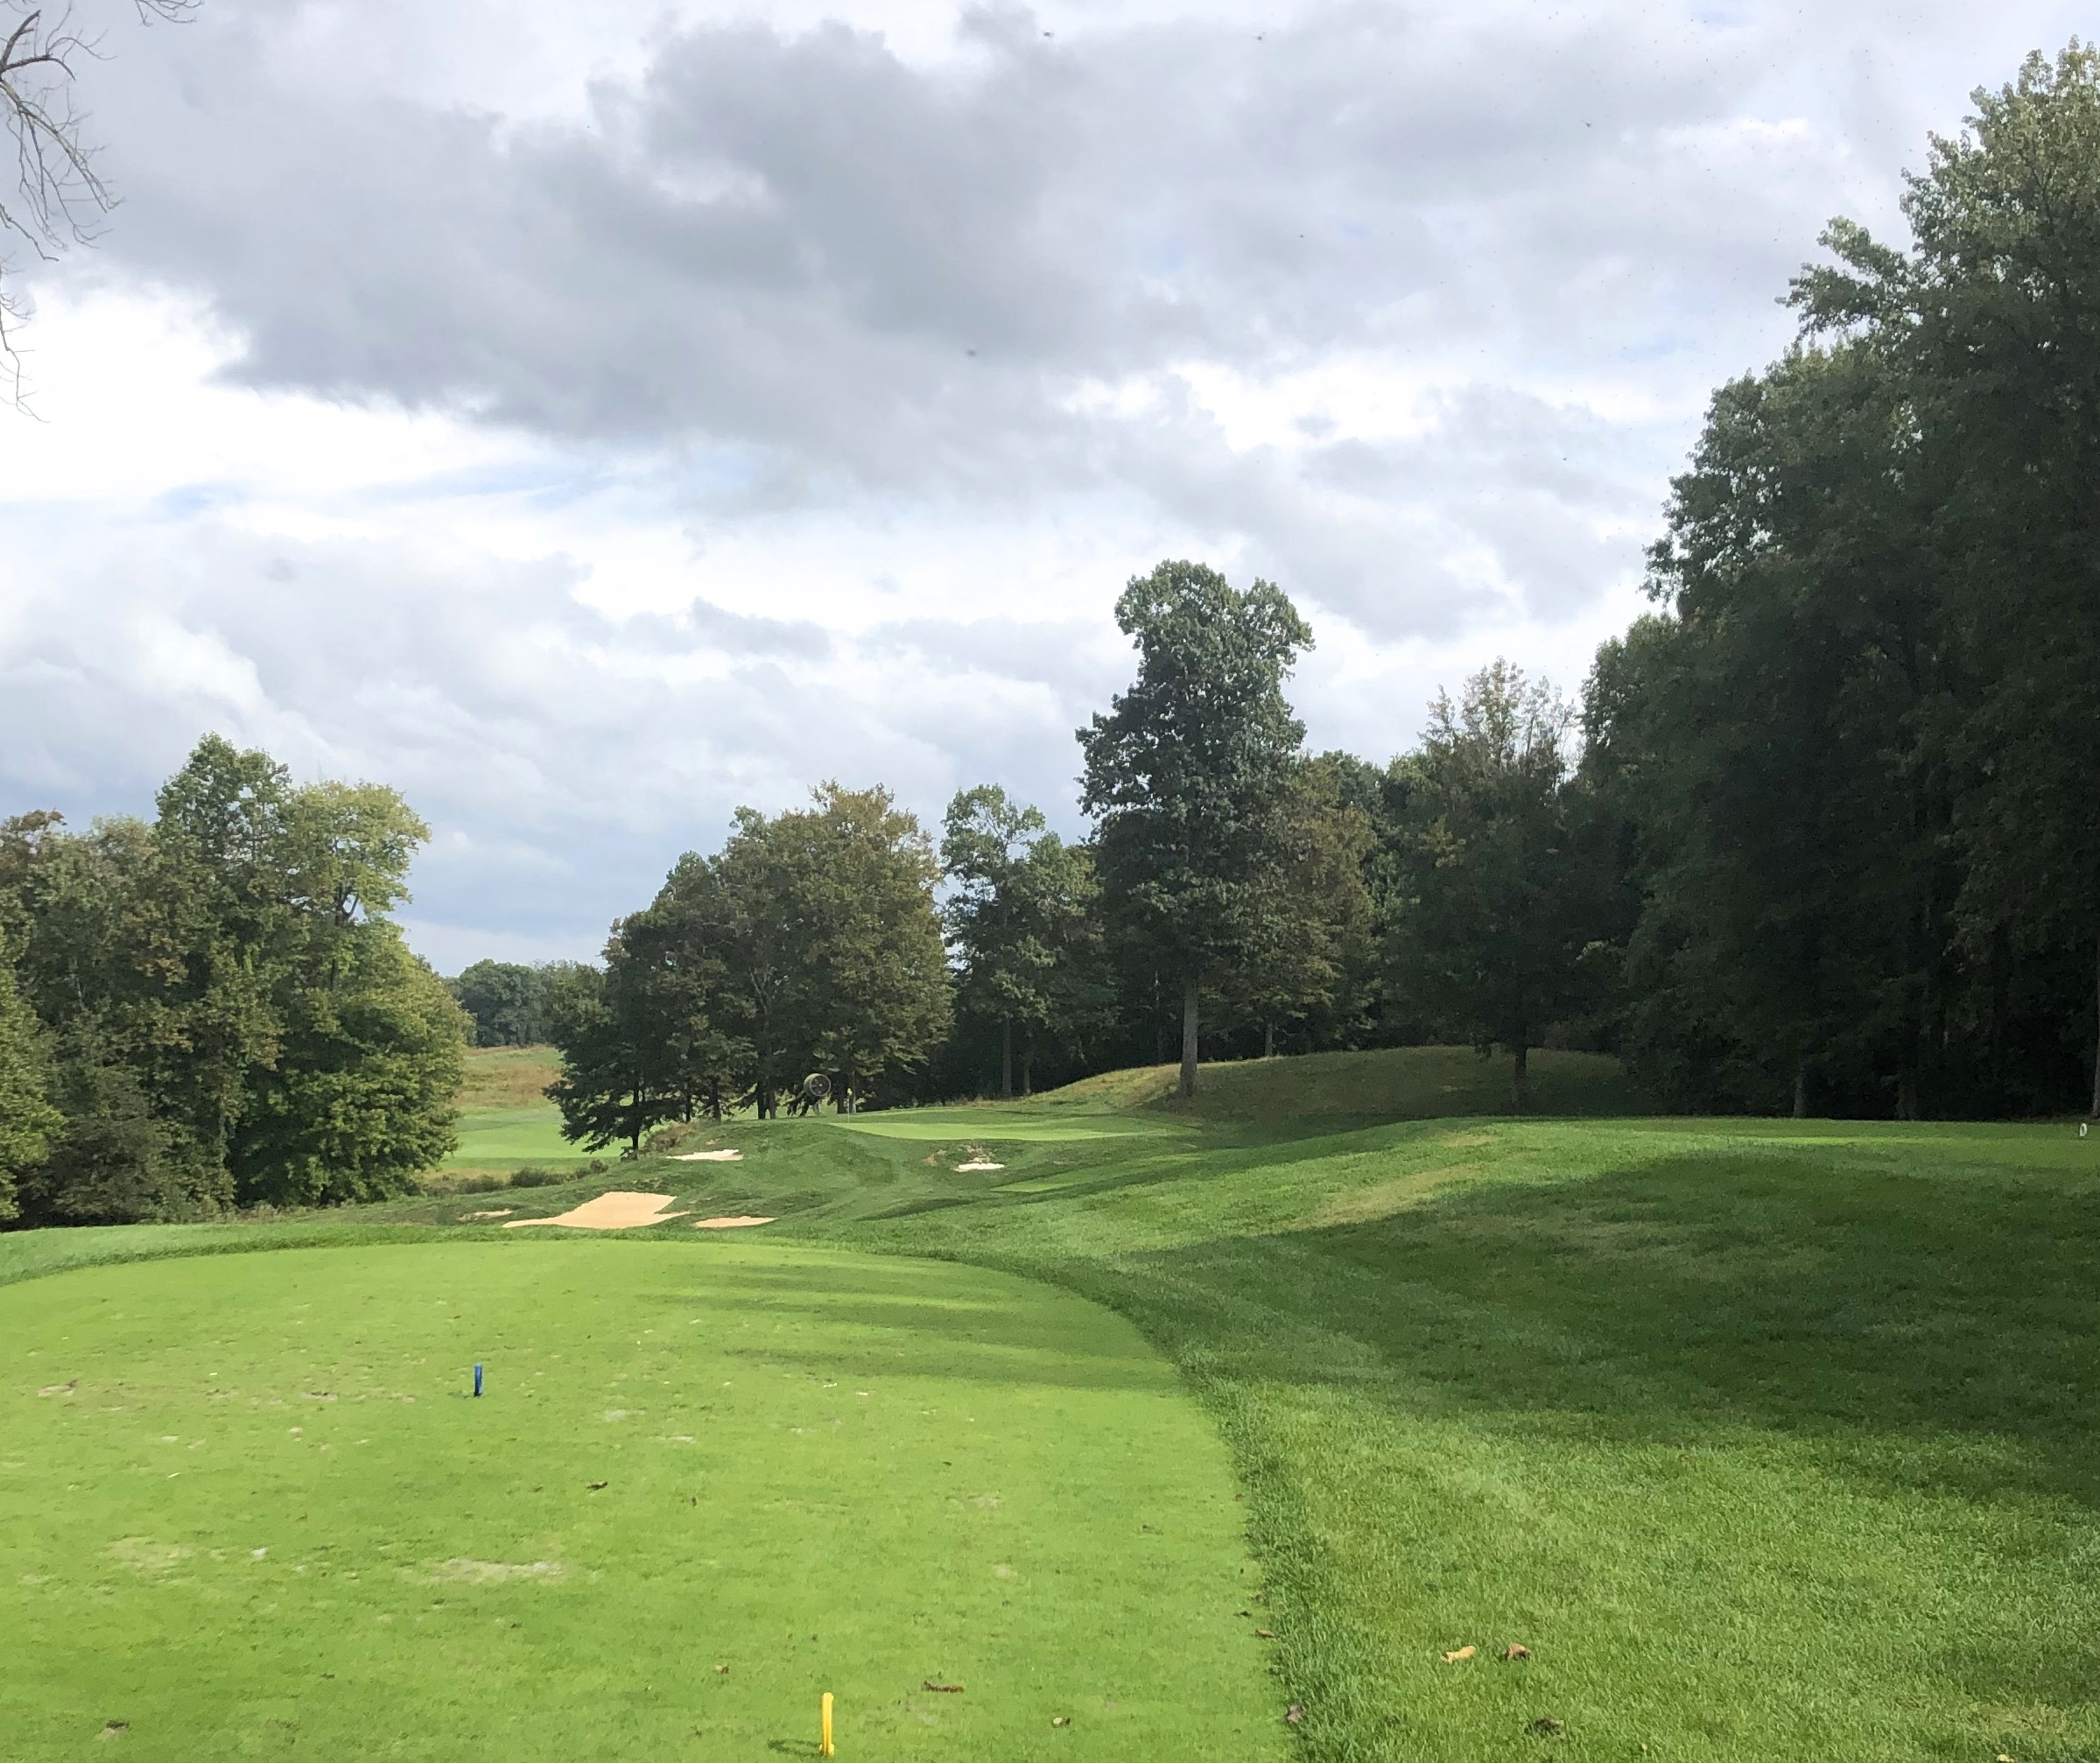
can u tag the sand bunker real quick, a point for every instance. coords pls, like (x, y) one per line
(709, 1157)
(614, 1212)
(966, 1169)
(736, 1224)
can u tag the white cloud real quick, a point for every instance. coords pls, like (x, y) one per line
(589, 420)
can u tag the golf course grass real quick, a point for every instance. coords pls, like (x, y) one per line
(501, 1140)
(288, 1526)
(506, 1122)
(1761, 1440)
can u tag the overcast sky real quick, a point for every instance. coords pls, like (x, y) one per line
(590, 418)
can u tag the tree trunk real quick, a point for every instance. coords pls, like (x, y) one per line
(1907, 1094)
(1269, 1040)
(1189, 1025)
(1006, 1058)
(1028, 1064)
(2097, 1032)
(1518, 1070)
(1800, 1089)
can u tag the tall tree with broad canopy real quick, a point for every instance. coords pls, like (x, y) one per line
(808, 943)
(1311, 967)
(230, 1013)
(1774, 727)
(870, 995)
(1489, 931)
(1993, 320)
(1019, 919)
(1187, 775)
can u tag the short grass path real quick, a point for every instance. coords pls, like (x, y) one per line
(248, 1507)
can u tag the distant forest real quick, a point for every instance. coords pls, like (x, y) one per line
(1821, 834)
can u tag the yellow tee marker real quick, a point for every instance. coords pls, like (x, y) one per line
(823, 1738)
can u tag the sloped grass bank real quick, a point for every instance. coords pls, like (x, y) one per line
(1384, 1083)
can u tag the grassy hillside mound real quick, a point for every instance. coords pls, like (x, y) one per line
(1384, 1084)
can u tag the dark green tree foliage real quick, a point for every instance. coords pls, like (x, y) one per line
(1308, 968)
(1793, 816)
(810, 943)
(1019, 919)
(508, 1001)
(1856, 752)
(1188, 775)
(27, 1119)
(1492, 925)
(229, 1014)
(618, 1075)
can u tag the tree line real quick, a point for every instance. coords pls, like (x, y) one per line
(1820, 834)
(214, 1008)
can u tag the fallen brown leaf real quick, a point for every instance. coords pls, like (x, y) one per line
(1516, 1650)
(595, 1485)
(943, 1689)
(115, 1729)
(60, 1389)
(1546, 1727)
(1463, 1653)
(1295, 1713)
(1266, 1634)
(721, 1671)
(1060, 1719)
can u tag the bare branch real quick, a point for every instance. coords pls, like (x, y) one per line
(58, 196)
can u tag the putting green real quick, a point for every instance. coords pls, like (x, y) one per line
(247, 1507)
(992, 1125)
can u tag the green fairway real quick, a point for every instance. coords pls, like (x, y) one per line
(1768, 1439)
(506, 1121)
(505, 1138)
(247, 1507)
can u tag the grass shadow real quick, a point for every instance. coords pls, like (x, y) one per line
(1705, 1291)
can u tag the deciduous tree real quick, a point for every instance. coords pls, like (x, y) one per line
(1188, 774)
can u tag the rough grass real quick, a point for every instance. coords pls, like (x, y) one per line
(1769, 1440)
(508, 1076)
(1389, 1084)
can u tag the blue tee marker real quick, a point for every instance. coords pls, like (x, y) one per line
(477, 1378)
